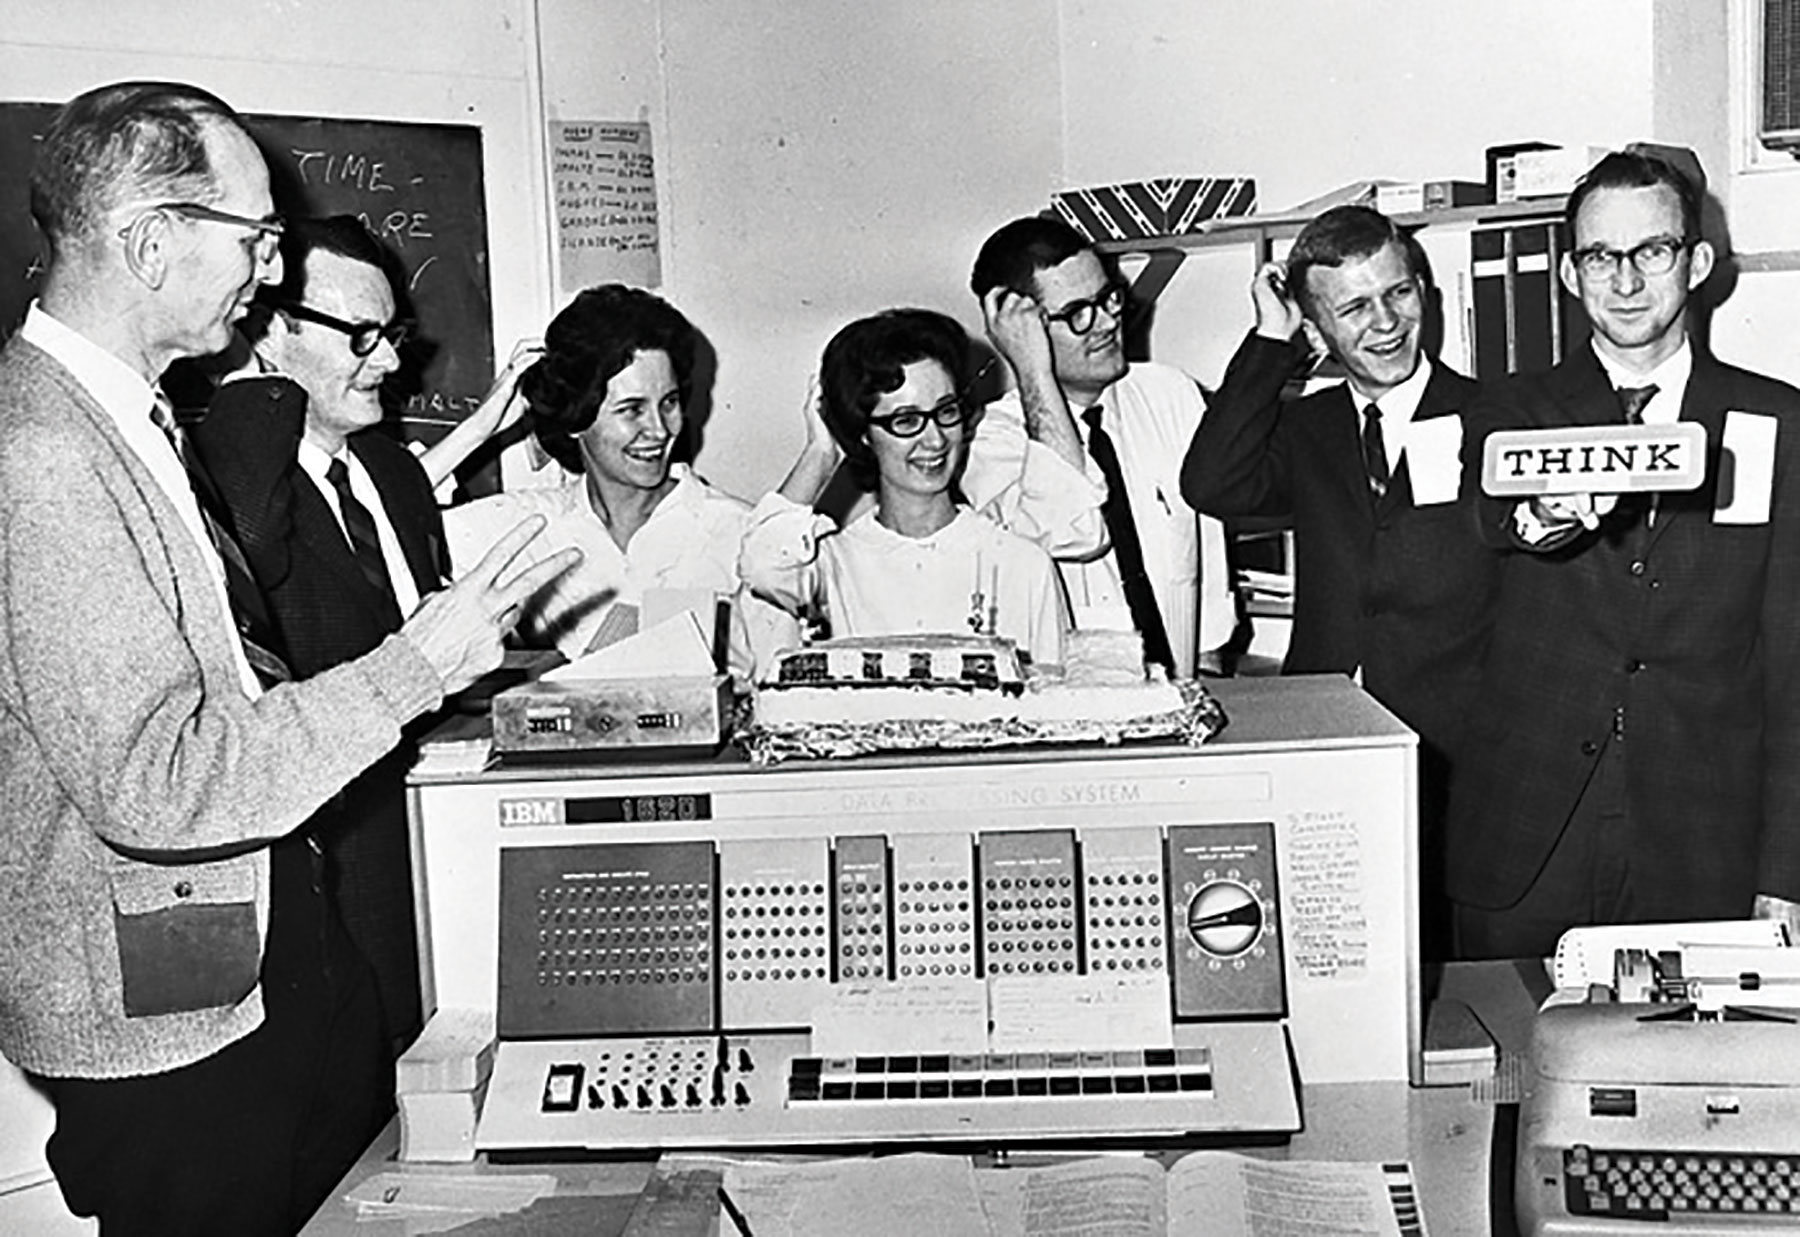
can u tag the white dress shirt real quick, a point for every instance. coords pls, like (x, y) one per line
(1025, 487)
(1398, 407)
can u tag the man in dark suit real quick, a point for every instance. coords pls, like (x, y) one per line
(1635, 754)
(343, 534)
(1389, 580)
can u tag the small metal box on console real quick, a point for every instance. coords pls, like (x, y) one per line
(664, 716)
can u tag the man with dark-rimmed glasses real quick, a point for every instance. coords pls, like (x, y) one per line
(1634, 754)
(1084, 455)
(340, 528)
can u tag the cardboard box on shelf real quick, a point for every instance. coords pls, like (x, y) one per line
(1428, 195)
(1551, 173)
(1145, 209)
(1502, 168)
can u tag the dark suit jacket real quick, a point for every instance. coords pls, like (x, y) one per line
(327, 613)
(1683, 632)
(1404, 591)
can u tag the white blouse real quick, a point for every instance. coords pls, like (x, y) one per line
(874, 581)
(689, 542)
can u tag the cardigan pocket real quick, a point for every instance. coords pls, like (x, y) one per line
(188, 937)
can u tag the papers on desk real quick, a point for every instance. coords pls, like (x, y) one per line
(1213, 1192)
(900, 1196)
(678, 646)
(443, 1201)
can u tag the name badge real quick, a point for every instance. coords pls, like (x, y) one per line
(1434, 459)
(1594, 459)
(1746, 469)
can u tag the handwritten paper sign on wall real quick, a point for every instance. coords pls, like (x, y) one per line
(604, 177)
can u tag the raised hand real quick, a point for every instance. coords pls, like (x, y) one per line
(462, 630)
(1278, 313)
(1015, 326)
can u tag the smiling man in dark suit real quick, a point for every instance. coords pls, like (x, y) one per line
(343, 534)
(1635, 754)
(1390, 583)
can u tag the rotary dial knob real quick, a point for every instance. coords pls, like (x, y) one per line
(1225, 918)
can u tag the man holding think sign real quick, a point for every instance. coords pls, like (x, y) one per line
(1635, 752)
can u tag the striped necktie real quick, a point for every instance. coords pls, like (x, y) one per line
(248, 611)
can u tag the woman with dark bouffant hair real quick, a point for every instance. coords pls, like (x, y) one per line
(606, 400)
(893, 402)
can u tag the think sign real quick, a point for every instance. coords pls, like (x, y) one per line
(1594, 459)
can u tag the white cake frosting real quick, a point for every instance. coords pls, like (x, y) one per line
(948, 678)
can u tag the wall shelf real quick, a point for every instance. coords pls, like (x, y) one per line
(1165, 254)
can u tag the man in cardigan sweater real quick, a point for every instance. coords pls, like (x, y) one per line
(145, 771)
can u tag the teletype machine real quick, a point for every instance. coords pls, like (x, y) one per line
(1131, 943)
(1669, 1094)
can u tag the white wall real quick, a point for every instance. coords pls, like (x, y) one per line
(1308, 95)
(816, 162)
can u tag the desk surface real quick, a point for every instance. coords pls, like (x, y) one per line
(1446, 1133)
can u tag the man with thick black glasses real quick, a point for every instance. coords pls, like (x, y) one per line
(1634, 755)
(343, 534)
(1084, 455)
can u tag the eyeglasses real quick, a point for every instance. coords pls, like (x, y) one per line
(267, 232)
(1655, 256)
(1078, 316)
(364, 336)
(910, 422)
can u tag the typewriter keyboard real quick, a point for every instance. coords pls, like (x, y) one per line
(1665, 1185)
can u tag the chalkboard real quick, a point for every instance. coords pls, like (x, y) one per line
(418, 187)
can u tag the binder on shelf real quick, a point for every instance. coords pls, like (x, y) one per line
(1525, 321)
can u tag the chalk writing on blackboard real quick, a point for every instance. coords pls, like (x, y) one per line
(418, 187)
(604, 179)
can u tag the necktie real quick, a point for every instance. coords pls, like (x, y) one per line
(365, 542)
(163, 413)
(1126, 549)
(248, 612)
(1374, 451)
(1632, 401)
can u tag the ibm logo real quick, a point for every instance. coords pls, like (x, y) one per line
(515, 812)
